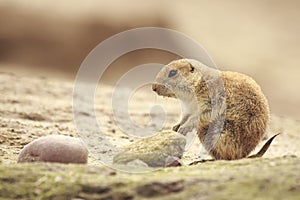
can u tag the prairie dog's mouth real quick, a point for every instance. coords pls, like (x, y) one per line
(162, 90)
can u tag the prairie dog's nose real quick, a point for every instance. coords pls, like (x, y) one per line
(154, 87)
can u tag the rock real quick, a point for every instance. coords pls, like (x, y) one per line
(173, 162)
(136, 163)
(54, 148)
(154, 151)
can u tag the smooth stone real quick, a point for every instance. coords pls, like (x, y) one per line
(54, 148)
(154, 151)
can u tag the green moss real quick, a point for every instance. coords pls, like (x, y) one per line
(276, 178)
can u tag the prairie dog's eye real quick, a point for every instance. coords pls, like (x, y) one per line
(192, 68)
(172, 73)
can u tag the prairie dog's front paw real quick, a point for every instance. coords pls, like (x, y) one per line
(176, 127)
(184, 130)
(188, 126)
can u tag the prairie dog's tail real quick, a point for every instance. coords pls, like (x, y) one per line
(263, 150)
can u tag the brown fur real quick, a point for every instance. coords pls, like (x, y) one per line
(242, 108)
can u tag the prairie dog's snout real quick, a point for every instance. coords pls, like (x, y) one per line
(162, 85)
(162, 90)
(154, 87)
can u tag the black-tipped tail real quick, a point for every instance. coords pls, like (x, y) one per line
(264, 148)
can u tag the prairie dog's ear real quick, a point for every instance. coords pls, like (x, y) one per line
(192, 68)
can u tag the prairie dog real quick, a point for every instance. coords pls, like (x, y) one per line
(227, 109)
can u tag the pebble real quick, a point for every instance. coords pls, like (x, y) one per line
(54, 148)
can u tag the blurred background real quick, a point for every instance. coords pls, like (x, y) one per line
(259, 38)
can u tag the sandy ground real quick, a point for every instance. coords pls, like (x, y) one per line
(31, 107)
(258, 38)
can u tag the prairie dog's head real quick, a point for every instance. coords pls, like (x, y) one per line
(177, 80)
